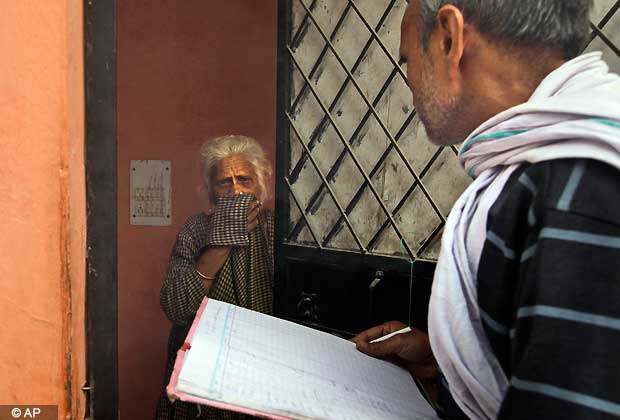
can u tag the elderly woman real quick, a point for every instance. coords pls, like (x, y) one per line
(242, 275)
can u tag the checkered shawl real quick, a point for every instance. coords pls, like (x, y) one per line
(230, 221)
(245, 279)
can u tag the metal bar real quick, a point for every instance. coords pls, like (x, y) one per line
(404, 199)
(319, 60)
(610, 13)
(100, 154)
(353, 157)
(319, 129)
(282, 156)
(334, 170)
(331, 192)
(430, 238)
(350, 260)
(375, 114)
(302, 25)
(606, 40)
(376, 36)
(375, 169)
(303, 213)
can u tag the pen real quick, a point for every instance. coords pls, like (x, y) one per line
(385, 337)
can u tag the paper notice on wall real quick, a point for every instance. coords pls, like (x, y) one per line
(149, 188)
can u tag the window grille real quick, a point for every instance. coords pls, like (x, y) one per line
(360, 174)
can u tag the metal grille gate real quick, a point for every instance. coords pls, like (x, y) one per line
(362, 169)
(356, 173)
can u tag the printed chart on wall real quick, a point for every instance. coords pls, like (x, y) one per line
(150, 194)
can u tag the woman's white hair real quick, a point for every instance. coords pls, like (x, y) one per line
(214, 150)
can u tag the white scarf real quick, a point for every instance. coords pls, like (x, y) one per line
(574, 113)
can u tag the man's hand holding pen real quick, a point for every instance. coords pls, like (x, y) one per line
(412, 350)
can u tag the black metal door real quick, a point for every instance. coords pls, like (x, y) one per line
(353, 166)
(361, 195)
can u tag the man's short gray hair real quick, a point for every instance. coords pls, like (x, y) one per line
(214, 150)
(558, 24)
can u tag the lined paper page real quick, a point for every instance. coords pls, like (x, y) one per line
(256, 361)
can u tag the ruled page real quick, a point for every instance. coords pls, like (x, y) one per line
(252, 360)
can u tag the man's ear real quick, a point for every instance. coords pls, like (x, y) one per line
(449, 37)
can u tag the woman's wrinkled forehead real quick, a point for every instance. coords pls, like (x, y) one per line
(233, 165)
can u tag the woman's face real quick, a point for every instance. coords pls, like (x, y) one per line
(234, 175)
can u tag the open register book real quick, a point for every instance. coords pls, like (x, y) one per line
(245, 361)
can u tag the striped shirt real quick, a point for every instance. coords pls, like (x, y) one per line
(549, 291)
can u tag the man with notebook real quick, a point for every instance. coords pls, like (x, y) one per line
(524, 318)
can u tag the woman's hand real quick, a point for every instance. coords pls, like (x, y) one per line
(210, 262)
(253, 211)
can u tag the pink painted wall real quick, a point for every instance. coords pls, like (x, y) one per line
(187, 71)
(42, 228)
